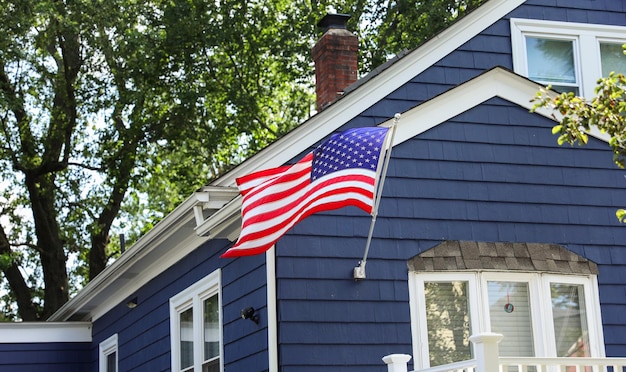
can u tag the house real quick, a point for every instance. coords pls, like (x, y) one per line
(485, 225)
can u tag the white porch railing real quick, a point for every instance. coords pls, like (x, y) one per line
(488, 360)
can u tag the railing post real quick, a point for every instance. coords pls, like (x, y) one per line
(487, 352)
(397, 362)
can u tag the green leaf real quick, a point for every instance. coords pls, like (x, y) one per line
(621, 215)
(584, 138)
(556, 129)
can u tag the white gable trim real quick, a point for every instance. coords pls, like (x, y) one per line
(496, 82)
(374, 90)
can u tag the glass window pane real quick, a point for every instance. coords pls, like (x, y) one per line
(551, 61)
(186, 338)
(570, 320)
(211, 328)
(112, 362)
(509, 309)
(613, 58)
(447, 318)
(212, 366)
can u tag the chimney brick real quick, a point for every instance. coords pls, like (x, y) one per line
(335, 57)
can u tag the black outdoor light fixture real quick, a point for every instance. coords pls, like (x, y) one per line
(249, 313)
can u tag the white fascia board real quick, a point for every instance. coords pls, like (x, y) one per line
(145, 259)
(88, 296)
(374, 90)
(38, 332)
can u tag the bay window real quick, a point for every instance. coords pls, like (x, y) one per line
(539, 314)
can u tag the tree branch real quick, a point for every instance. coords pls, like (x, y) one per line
(23, 294)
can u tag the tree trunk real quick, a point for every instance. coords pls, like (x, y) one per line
(49, 243)
(23, 294)
(124, 164)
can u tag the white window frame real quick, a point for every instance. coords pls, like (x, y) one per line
(193, 297)
(539, 292)
(108, 347)
(587, 37)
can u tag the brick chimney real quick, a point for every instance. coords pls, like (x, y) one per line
(335, 57)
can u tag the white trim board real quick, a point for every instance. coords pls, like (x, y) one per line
(38, 332)
(497, 82)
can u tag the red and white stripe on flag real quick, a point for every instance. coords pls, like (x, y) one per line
(343, 171)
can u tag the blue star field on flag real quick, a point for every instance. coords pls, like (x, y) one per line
(354, 148)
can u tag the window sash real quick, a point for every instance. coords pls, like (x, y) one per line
(447, 318)
(111, 361)
(569, 318)
(211, 328)
(551, 60)
(612, 57)
(510, 315)
(185, 322)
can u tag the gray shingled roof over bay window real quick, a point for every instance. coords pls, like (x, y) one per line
(454, 255)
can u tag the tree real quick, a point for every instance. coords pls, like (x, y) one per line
(112, 112)
(396, 26)
(577, 116)
(104, 104)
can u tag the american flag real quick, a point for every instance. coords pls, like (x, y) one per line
(342, 171)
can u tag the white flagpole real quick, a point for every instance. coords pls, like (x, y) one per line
(359, 271)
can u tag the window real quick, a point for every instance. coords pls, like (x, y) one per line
(108, 354)
(196, 326)
(568, 56)
(539, 314)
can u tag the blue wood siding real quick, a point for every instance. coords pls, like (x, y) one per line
(52, 357)
(144, 332)
(493, 173)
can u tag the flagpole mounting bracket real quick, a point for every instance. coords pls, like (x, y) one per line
(359, 271)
